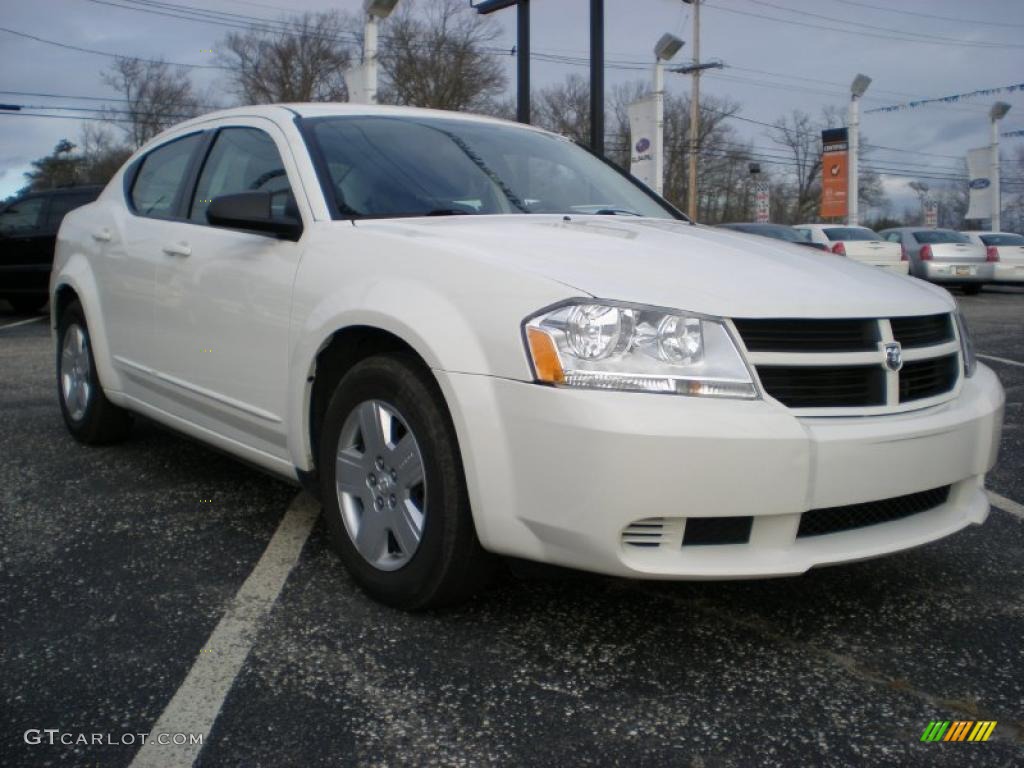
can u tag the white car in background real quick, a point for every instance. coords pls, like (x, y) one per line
(1005, 250)
(859, 244)
(469, 336)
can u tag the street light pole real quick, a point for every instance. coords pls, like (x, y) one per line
(857, 88)
(997, 113)
(667, 47)
(694, 114)
(375, 10)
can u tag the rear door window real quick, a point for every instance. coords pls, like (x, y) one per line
(159, 180)
(22, 218)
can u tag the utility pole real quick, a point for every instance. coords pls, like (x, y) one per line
(695, 69)
(522, 49)
(857, 88)
(997, 113)
(694, 115)
(362, 81)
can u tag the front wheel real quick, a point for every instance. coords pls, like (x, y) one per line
(395, 500)
(89, 415)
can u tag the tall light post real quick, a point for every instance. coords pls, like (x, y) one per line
(667, 47)
(857, 87)
(375, 11)
(997, 113)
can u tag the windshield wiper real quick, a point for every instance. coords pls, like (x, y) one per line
(615, 212)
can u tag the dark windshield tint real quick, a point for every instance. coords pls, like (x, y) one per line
(1002, 239)
(940, 236)
(410, 166)
(771, 230)
(851, 233)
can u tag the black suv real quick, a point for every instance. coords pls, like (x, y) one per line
(28, 234)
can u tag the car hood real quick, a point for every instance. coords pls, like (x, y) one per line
(675, 264)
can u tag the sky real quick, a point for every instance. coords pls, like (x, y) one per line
(779, 55)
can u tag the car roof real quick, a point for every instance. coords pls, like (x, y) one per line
(289, 110)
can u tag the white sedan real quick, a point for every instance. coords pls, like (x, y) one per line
(472, 337)
(859, 244)
(1005, 251)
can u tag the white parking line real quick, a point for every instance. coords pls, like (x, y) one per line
(1005, 504)
(198, 701)
(24, 322)
(1001, 360)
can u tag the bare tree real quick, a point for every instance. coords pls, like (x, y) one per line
(302, 60)
(157, 96)
(801, 136)
(432, 55)
(564, 108)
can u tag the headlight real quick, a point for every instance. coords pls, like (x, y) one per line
(966, 346)
(601, 345)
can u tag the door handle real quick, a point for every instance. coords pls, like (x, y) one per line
(178, 249)
(101, 235)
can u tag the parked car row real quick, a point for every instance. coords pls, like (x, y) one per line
(965, 259)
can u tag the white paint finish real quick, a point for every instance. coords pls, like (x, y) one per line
(23, 322)
(878, 253)
(1007, 505)
(1004, 360)
(198, 701)
(553, 473)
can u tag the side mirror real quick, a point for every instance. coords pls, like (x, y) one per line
(252, 211)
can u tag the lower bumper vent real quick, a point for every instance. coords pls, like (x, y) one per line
(717, 530)
(820, 522)
(649, 532)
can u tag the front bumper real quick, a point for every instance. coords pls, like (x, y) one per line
(1007, 273)
(957, 272)
(557, 475)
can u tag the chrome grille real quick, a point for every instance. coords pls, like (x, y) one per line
(829, 364)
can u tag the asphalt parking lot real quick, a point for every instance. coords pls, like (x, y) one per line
(119, 564)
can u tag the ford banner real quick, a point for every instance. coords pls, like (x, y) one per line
(979, 162)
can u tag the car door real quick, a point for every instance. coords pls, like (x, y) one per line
(131, 236)
(223, 306)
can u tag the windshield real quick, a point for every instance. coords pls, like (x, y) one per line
(425, 166)
(851, 233)
(1002, 239)
(940, 236)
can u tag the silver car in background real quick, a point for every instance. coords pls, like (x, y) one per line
(1005, 251)
(943, 256)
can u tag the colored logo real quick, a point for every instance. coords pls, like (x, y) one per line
(958, 730)
(893, 356)
(979, 184)
(643, 145)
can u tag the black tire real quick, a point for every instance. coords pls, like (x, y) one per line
(971, 290)
(101, 421)
(27, 305)
(449, 564)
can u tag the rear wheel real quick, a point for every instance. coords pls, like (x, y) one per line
(89, 416)
(395, 499)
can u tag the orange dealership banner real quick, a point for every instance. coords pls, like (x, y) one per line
(834, 180)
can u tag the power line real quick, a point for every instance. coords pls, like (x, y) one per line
(931, 15)
(808, 25)
(105, 53)
(916, 34)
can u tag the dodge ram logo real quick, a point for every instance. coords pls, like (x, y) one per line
(893, 356)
